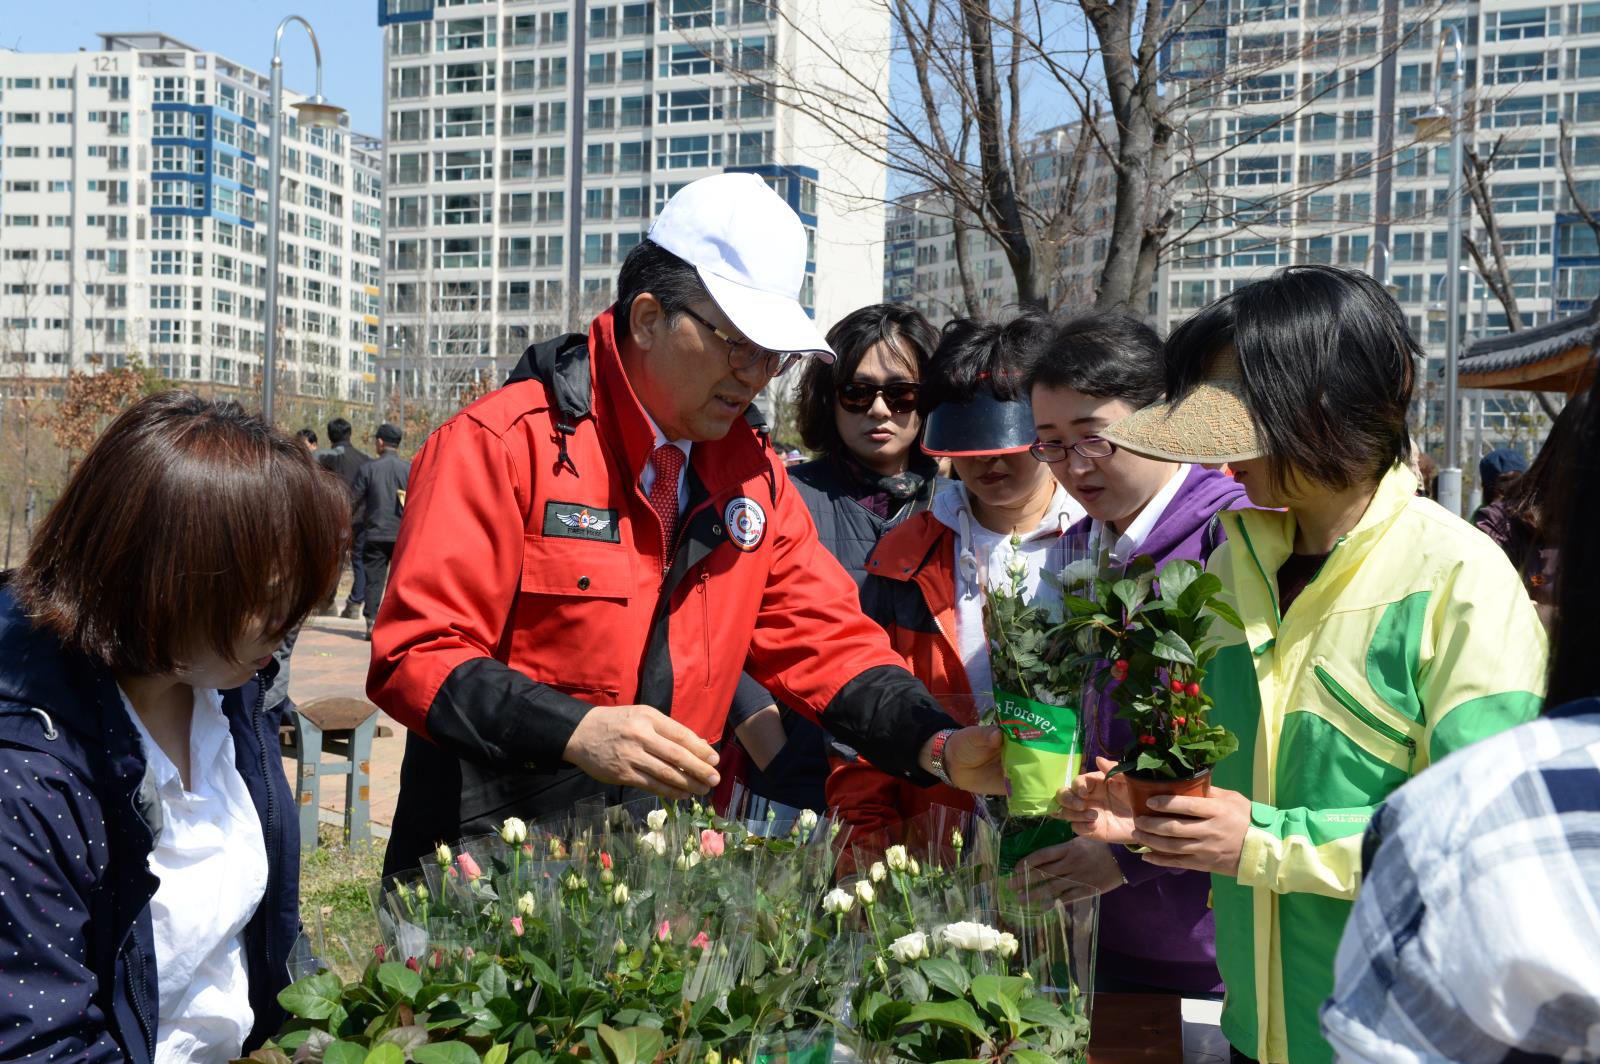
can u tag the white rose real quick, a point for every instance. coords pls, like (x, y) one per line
(897, 858)
(514, 831)
(525, 904)
(655, 842)
(619, 896)
(655, 819)
(1007, 946)
(877, 873)
(912, 867)
(908, 948)
(836, 902)
(956, 840)
(442, 854)
(808, 820)
(688, 860)
(968, 935)
(865, 893)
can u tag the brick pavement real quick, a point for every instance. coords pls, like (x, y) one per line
(330, 659)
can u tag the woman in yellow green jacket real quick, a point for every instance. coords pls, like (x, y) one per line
(1380, 631)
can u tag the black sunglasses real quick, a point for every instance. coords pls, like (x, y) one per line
(899, 396)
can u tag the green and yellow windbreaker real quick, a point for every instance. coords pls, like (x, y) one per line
(1415, 639)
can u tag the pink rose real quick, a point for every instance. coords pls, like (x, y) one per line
(469, 867)
(411, 962)
(378, 951)
(516, 926)
(664, 932)
(712, 843)
(700, 941)
(605, 860)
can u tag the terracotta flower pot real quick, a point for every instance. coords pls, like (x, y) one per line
(1143, 788)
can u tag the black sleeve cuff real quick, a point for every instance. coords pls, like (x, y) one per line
(489, 713)
(888, 716)
(749, 698)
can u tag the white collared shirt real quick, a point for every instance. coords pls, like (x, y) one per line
(983, 557)
(1138, 530)
(647, 479)
(211, 858)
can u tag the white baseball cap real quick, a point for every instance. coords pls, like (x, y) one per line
(750, 251)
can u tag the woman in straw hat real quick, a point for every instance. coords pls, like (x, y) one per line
(1380, 632)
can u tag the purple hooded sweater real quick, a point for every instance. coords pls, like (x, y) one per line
(1157, 930)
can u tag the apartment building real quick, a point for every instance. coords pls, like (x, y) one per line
(531, 142)
(1313, 111)
(133, 218)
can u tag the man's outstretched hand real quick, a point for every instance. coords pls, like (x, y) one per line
(638, 746)
(971, 759)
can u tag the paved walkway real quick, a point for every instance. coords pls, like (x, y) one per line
(330, 659)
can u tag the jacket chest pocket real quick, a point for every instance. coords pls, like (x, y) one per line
(1352, 709)
(573, 622)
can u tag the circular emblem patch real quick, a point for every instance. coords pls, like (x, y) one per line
(746, 523)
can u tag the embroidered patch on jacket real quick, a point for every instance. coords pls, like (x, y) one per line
(746, 522)
(573, 520)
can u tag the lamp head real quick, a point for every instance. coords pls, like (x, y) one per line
(317, 111)
(1432, 124)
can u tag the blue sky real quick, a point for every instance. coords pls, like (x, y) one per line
(352, 47)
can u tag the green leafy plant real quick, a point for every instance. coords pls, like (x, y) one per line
(1147, 638)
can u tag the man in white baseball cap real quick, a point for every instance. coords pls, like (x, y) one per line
(592, 554)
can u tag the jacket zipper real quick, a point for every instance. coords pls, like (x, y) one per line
(1272, 592)
(705, 620)
(266, 783)
(1361, 713)
(140, 1005)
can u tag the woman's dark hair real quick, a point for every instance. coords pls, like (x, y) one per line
(899, 326)
(307, 435)
(974, 353)
(1576, 631)
(1108, 356)
(651, 268)
(188, 523)
(1528, 498)
(1328, 364)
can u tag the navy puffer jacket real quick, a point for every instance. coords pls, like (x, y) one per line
(76, 946)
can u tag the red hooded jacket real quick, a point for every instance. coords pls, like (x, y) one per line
(910, 591)
(529, 585)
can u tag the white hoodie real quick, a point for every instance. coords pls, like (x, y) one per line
(983, 551)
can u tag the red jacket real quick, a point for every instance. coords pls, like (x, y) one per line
(529, 585)
(910, 591)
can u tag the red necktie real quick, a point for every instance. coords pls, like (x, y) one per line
(667, 460)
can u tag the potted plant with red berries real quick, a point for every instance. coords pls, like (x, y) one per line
(1149, 638)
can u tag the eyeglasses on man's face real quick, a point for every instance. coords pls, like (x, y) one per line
(743, 355)
(1056, 451)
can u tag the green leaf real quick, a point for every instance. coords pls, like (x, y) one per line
(620, 1046)
(1226, 613)
(445, 1053)
(399, 980)
(958, 1014)
(1195, 596)
(385, 1053)
(315, 997)
(946, 974)
(1170, 646)
(1153, 763)
(1128, 592)
(497, 1054)
(989, 991)
(1031, 1056)
(343, 1053)
(1176, 578)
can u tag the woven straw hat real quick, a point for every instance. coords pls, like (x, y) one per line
(1211, 424)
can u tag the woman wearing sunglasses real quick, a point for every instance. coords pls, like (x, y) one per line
(859, 413)
(926, 581)
(1156, 933)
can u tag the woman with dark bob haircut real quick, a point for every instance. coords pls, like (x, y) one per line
(1380, 631)
(151, 892)
(861, 413)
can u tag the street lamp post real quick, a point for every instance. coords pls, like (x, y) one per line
(1429, 125)
(316, 111)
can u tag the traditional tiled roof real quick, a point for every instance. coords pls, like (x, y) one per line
(1531, 346)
